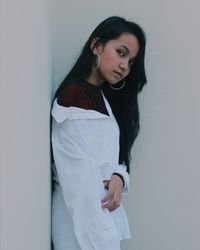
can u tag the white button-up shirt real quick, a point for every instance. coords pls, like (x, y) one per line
(86, 150)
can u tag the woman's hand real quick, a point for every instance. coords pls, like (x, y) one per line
(112, 199)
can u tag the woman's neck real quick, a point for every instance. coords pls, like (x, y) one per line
(95, 78)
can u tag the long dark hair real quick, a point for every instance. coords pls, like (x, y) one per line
(124, 102)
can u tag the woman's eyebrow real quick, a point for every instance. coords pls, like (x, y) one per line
(125, 47)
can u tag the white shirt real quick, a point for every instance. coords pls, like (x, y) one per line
(86, 150)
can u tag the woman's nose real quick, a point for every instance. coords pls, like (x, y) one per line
(124, 65)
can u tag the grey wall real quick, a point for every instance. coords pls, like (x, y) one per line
(163, 205)
(25, 93)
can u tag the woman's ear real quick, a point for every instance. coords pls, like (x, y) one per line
(94, 46)
(94, 42)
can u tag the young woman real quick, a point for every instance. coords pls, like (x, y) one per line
(95, 122)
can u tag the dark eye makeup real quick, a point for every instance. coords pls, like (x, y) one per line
(121, 52)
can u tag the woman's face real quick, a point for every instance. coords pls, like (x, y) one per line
(116, 58)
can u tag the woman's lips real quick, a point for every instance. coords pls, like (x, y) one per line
(118, 74)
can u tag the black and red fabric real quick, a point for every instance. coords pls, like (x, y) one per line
(83, 95)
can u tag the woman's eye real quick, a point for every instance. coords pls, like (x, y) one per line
(121, 53)
(131, 62)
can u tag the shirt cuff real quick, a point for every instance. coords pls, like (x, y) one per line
(121, 169)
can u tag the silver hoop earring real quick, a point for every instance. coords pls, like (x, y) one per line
(115, 88)
(98, 61)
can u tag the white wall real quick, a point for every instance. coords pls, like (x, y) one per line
(25, 93)
(163, 205)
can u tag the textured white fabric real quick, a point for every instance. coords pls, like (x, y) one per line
(86, 149)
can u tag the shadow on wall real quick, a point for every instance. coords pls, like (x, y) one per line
(52, 248)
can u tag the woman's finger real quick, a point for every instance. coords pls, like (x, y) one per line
(107, 197)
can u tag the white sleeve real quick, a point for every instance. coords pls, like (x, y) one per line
(121, 169)
(82, 187)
